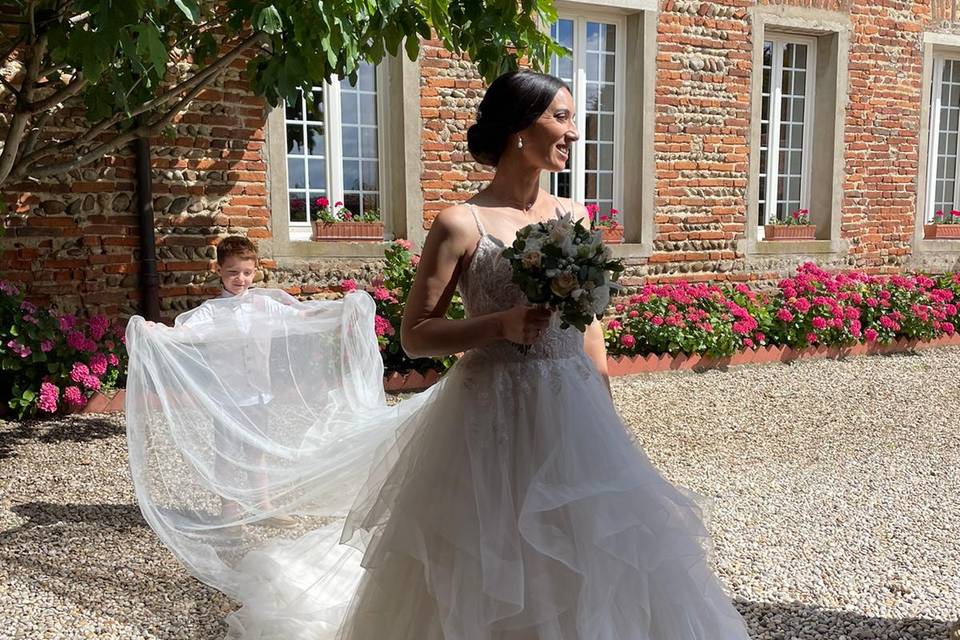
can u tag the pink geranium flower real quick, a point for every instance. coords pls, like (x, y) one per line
(348, 285)
(628, 340)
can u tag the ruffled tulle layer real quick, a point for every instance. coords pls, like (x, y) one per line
(512, 505)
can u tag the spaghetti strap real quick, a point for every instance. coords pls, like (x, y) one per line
(560, 206)
(476, 219)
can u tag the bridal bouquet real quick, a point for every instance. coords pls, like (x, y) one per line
(563, 265)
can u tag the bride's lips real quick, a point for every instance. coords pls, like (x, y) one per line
(564, 150)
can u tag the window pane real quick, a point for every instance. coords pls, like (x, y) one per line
(367, 77)
(316, 139)
(352, 202)
(350, 140)
(607, 98)
(371, 205)
(593, 67)
(611, 38)
(294, 110)
(606, 185)
(593, 36)
(318, 174)
(368, 109)
(368, 146)
(348, 107)
(296, 175)
(295, 139)
(351, 175)
(371, 176)
(315, 112)
(298, 206)
(606, 156)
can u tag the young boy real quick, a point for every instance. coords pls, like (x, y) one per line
(242, 388)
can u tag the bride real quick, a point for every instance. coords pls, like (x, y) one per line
(506, 503)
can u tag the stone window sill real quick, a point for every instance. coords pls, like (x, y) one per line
(923, 245)
(632, 250)
(327, 249)
(792, 247)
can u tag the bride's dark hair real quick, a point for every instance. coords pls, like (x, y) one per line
(512, 103)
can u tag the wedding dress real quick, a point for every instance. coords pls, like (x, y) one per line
(508, 502)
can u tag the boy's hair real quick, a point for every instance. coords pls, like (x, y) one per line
(235, 246)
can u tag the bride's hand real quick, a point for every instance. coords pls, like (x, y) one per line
(523, 324)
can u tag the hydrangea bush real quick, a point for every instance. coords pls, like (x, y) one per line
(52, 362)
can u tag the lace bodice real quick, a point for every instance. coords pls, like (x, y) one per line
(486, 286)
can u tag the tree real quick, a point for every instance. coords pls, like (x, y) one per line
(134, 65)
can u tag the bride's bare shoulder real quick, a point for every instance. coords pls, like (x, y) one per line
(455, 223)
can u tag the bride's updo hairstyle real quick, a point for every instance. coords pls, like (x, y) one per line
(512, 103)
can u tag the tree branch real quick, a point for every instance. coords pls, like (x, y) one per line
(76, 85)
(35, 129)
(21, 118)
(123, 139)
(193, 86)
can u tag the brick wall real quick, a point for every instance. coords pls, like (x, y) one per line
(78, 245)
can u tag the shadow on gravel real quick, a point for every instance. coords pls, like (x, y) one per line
(11, 438)
(65, 429)
(104, 562)
(768, 621)
(120, 517)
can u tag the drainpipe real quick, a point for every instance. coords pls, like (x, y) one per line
(149, 280)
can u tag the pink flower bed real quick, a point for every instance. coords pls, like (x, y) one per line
(813, 308)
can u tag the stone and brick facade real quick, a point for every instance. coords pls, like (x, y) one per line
(77, 245)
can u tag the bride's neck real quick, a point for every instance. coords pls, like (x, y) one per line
(517, 187)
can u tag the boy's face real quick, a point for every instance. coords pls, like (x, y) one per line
(236, 273)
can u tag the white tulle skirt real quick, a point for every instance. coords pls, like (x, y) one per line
(508, 502)
(513, 505)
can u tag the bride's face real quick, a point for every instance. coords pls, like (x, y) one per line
(548, 141)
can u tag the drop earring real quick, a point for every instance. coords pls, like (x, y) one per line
(519, 143)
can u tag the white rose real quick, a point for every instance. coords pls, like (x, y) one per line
(531, 260)
(563, 283)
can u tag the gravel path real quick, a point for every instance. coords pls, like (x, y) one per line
(834, 484)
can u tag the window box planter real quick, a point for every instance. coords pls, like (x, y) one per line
(777, 232)
(347, 231)
(941, 231)
(612, 235)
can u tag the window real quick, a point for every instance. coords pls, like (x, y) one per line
(786, 126)
(594, 72)
(944, 132)
(333, 150)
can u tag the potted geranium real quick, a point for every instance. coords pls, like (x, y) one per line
(796, 226)
(945, 226)
(339, 223)
(607, 223)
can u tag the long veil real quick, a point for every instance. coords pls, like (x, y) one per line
(252, 424)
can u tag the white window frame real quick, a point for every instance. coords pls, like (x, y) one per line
(776, 99)
(933, 144)
(578, 162)
(334, 150)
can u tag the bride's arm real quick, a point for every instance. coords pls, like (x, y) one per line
(424, 331)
